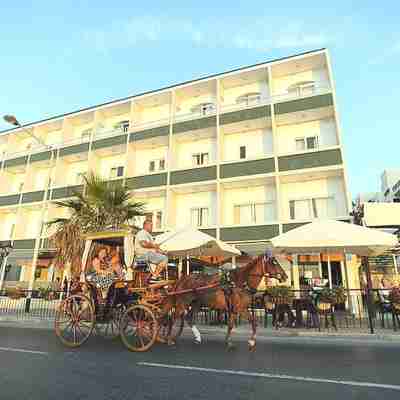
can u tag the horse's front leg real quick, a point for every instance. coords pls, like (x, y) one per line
(190, 321)
(253, 323)
(231, 324)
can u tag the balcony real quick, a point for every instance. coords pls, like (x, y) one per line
(194, 205)
(247, 168)
(197, 174)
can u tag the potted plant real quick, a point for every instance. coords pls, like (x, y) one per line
(280, 294)
(329, 297)
(15, 293)
(45, 293)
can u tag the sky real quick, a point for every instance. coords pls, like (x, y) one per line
(59, 56)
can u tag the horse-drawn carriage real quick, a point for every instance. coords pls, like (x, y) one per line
(142, 313)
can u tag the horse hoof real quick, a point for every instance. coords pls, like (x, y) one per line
(230, 346)
(252, 345)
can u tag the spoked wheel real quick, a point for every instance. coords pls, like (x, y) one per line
(109, 329)
(170, 328)
(75, 320)
(138, 328)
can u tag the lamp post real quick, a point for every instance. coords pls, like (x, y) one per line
(11, 119)
(5, 249)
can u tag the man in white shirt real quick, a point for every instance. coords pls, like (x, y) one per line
(146, 248)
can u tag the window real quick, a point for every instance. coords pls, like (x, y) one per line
(207, 108)
(320, 207)
(116, 172)
(122, 125)
(305, 88)
(249, 98)
(200, 159)
(86, 134)
(254, 213)
(157, 165)
(156, 217)
(199, 216)
(242, 151)
(306, 143)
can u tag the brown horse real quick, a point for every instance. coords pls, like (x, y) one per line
(234, 297)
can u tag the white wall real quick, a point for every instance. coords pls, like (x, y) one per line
(258, 143)
(325, 129)
(184, 203)
(184, 151)
(28, 226)
(106, 163)
(230, 95)
(143, 157)
(54, 137)
(256, 194)
(315, 188)
(72, 170)
(185, 106)
(6, 221)
(40, 177)
(148, 114)
(280, 85)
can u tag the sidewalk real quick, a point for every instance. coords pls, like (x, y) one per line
(242, 332)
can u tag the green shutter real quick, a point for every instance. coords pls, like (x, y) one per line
(149, 133)
(32, 196)
(246, 114)
(138, 182)
(15, 162)
(9, 200)
(78, 148)
(245, 233)
(109, 142)
(194, 124)
(308, 103)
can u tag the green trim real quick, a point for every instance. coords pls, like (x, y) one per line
(211, 232)
(310, 160)
(24, 244)
(32, 197)
(67, 191)
(308, 103)
(15, 162)
(194, 124)
(109, 142)
(194, 175)
(139, 182)
(9, 200)
(294, 225)
(246, 114)
(245, 233)
(44, 156)
(78, 148)
(264, 166)
(149, 133)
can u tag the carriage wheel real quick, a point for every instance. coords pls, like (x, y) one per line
(138, 328)
(110, 328)
(170, 328)
(75, 320)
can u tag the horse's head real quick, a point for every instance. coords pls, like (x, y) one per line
(272, 268)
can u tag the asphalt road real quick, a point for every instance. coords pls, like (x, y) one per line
(33, 365)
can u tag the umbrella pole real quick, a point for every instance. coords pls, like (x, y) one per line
(369, 286)
(346, 273)
(329, 271)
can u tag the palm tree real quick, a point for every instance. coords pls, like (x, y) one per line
(103, 205)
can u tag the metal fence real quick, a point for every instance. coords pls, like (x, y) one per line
(300, 313)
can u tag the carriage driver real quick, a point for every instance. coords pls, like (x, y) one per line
(146, 247)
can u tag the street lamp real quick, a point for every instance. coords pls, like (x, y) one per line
(11, 119)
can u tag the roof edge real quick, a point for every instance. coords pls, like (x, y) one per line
(163, 88)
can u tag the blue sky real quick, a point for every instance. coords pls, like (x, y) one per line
(60, 56)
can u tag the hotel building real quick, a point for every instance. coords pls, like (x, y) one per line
(243, 155)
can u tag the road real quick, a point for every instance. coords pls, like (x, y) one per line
(33, 365)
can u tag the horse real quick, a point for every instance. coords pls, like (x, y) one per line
(234, 296)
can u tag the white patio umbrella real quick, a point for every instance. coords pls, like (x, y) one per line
(329, 236)
(192, 242)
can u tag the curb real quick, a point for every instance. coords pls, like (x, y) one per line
(239, 332)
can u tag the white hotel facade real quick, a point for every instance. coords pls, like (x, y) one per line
(243, 155)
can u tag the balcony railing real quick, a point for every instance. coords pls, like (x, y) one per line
(299, 94)
(195, 115)
(142, 125)
(253, 102)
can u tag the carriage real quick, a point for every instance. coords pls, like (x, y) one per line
(129, 307)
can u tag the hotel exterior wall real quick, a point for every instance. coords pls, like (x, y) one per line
(137, 174)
